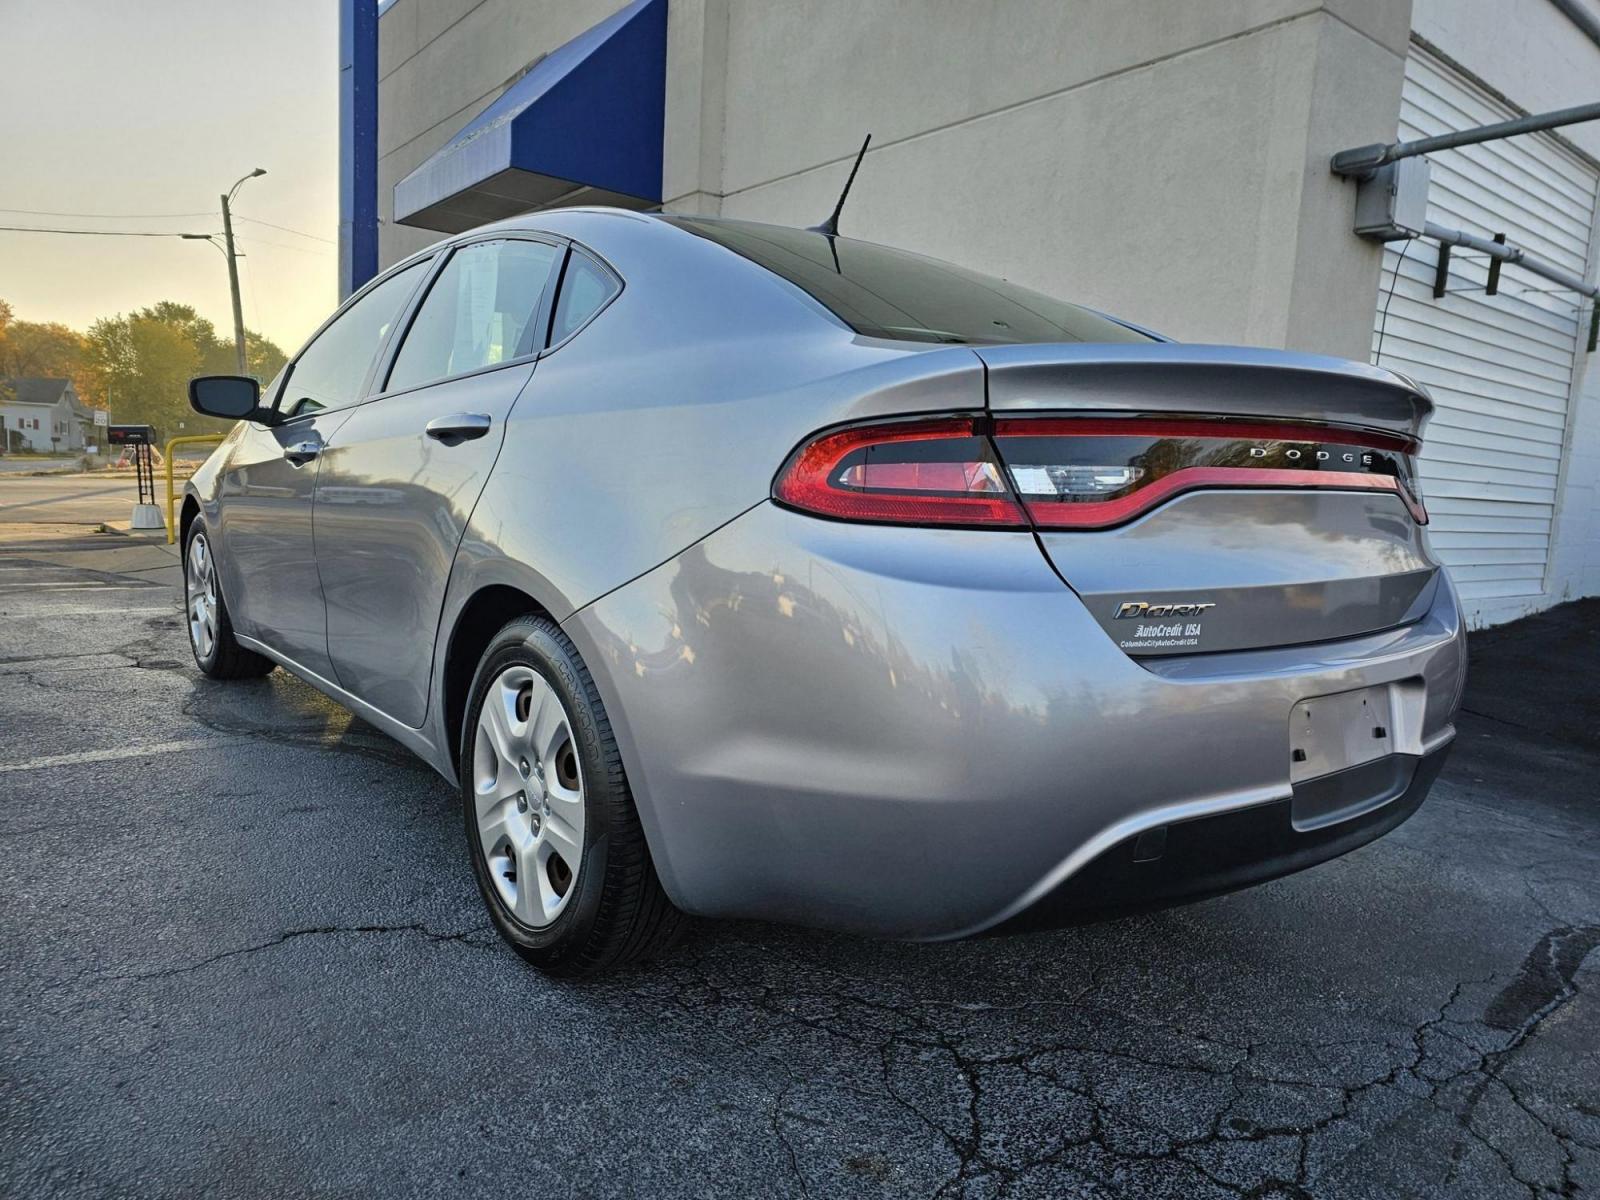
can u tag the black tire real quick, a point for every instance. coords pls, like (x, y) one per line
(618, 913)
(226, 658)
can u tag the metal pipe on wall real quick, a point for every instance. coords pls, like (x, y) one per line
(1511, 253)
(1362, 161)
(1579, 15)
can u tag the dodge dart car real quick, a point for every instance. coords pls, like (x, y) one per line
(747, 571)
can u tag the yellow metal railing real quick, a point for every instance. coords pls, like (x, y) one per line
(193, 439)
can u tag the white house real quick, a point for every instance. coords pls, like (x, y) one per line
(42, 415)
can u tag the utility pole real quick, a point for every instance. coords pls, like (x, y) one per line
(233, 269)
(233, 284)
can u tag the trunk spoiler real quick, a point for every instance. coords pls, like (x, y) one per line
(1176, 377)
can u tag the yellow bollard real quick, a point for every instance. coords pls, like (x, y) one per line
(191, 440)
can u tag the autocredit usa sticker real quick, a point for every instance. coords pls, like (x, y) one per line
(1161, 626)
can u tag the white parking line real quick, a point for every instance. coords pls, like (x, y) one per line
(92, 756)
(166, 605)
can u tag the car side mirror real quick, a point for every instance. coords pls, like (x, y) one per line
(233, 397)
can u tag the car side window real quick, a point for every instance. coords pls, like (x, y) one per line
(585, 290)
(330, 371)
(480, 311)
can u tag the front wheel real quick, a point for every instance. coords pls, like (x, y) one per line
(553, 835)
(217, 652)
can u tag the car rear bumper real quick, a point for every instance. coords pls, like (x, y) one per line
(1207, 856)
(924, 734)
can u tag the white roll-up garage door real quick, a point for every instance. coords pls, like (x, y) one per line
(1499, 367)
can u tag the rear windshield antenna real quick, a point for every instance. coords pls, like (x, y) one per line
(830, 227)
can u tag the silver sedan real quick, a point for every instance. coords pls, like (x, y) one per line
(746, 571)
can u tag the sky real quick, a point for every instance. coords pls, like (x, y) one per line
(135, 107)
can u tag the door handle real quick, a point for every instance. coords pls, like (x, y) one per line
(458, 428)
(300, 453)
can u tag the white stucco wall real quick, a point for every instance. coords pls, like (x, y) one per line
(1166, 162)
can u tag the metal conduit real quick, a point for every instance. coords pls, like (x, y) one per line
(1507, 252)
(1362, 161)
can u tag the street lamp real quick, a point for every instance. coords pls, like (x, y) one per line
(233, 267)
(209, 238)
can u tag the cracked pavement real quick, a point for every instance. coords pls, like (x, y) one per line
(251, 961)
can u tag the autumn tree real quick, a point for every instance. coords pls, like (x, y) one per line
(138, 365)
(49, 350)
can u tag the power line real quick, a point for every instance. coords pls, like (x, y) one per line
(100, 232)
(41, 212)
(286, 229)
(256, 241)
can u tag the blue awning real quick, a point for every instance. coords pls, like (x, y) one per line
(583, 126)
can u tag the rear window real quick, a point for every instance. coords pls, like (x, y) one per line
(888, 293)
(585, 288)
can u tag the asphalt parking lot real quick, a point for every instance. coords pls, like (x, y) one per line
(241, 954)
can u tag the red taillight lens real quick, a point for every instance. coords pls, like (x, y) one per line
(1091, 473)
(1075, 473)
(910, 473)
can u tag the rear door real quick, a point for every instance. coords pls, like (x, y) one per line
(268, 562)
(400, 478)
(1214, 498)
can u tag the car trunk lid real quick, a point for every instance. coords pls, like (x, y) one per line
(1205, 498)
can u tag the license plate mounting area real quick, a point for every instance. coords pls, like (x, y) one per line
(1337, 732)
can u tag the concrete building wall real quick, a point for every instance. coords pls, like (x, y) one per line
(1165, 162)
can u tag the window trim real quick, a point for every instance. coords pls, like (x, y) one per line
(573, 249)
(541, 316)
(371, 285)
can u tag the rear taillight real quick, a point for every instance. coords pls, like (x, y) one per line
(1090, 473)
(1074, 473)
(909, 473)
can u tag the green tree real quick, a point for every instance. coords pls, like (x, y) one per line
(263, 356)
(147, 358)
(145, 365)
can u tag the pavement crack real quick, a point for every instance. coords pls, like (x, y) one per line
(775, 1118)
(290, 935)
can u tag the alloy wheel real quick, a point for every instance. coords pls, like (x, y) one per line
(528, 788)
(200, 595)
